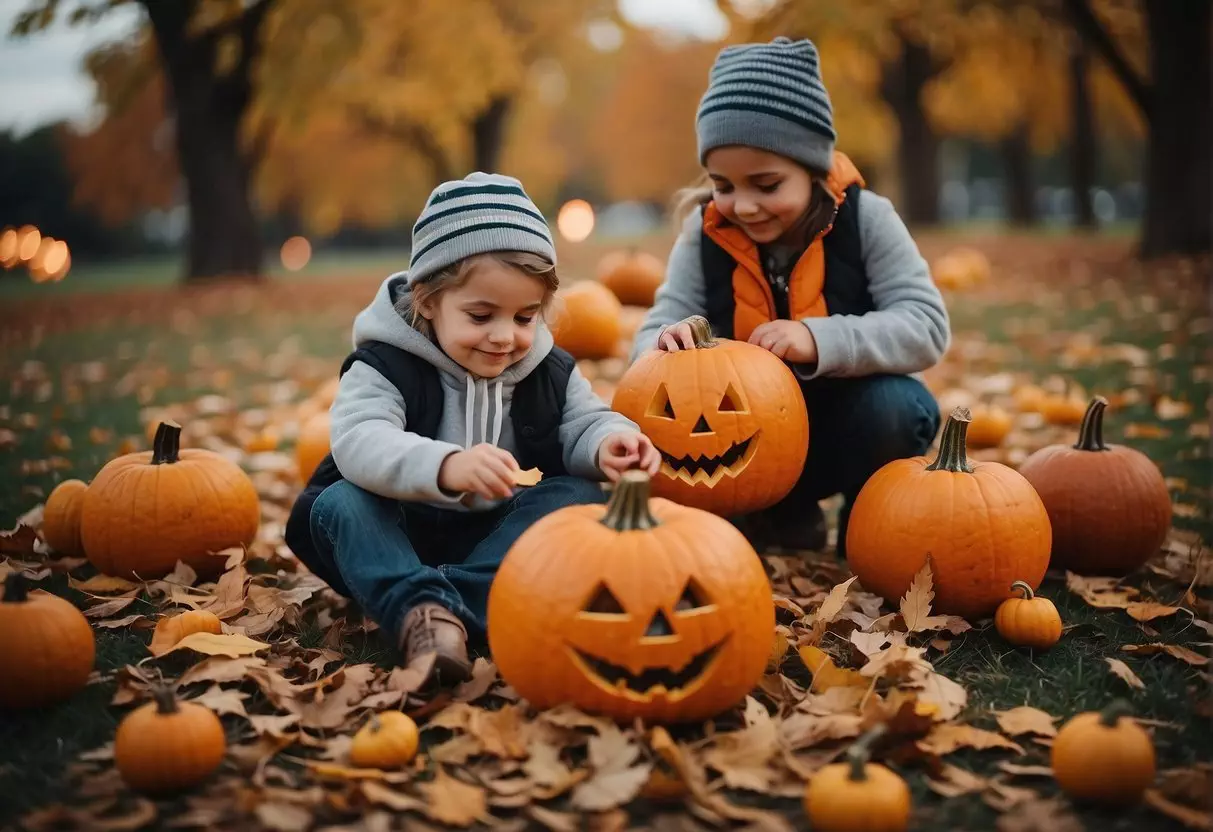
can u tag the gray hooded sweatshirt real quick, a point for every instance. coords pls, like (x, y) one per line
(374, 449)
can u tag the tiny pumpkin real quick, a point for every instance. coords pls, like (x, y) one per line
(1029, 398)
(61, 517)
(173, 628)
(1108, 504)
(858, 795)
(586, 320)
(312, 444)
(387, 740)
(989, 426)
(146, 511)
(1065, 409)
(665, 614)
(633, 276)
(728, 418)
(46, 647)
(166, 745)
(266, 439)
(981, 523)
(1030, 621)
(1104, 757)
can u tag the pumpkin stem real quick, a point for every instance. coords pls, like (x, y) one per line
(166, 700)
(701, 332)
(16, 588)
(1110, 715)
(861, 751)
(166, 447)
(1090, 434)
(628, 508)
(952, 444)
(1028, 594)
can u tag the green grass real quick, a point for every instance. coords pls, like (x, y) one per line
(35, 747)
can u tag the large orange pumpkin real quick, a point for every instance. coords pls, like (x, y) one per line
(728, 418)
(312, 444)
(586, 320)
(1108, 504)
(633, 276)
(637, 609)
(146, 511)
(61, 517)
(46, 647)
(981, 524)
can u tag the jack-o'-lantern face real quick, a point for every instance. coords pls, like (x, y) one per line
(729, 420)
(667, 622)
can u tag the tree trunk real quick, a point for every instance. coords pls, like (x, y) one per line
(1083, 148)
(918, 149)
(488, 134)
(1179, 164)
(224, 238)
(1017, 156)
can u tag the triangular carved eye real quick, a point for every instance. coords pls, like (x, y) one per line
(701, 426)
(659, 626)
(693, 597)
(730, 402)
(660, 406)
(604, 601)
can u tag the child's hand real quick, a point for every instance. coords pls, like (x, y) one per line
(789, 340)
(484, 469)
(676, 337)
(627, 449)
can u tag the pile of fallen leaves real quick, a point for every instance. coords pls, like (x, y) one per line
(281, 676)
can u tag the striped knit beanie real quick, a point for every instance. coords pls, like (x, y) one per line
(769, 96)
(482, 213)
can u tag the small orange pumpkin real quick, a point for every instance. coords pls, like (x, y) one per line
(1108, 504)
(633, 276)
(989, 427)
(1104, 757)
(263, 440)
(1030, 621)
(167, 745)
(312, 444)
(1063, 410)
(173, 628)
(46, 647)
(387, 740)
(146, 511)
(981, 523)
(664, 615)
(1029, 398)
(61, 517)
(728, 418)
(586, 320)
(858, 796)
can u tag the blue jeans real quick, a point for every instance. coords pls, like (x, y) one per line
(856, 426)
(390, 556)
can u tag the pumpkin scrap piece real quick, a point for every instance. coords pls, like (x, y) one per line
(529, 477)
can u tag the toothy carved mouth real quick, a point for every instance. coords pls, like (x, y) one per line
(701, 470)
(652, 680)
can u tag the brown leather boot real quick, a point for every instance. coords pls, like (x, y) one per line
(432, 628)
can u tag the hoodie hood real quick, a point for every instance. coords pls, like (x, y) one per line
(381, 322)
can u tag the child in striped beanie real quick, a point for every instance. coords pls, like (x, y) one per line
(788, 251)
(455, 387)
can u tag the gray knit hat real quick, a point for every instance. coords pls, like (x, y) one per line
(769, 96)
(482, 213)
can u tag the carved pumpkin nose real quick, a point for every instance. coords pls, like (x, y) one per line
(659, 626)
(701, 426)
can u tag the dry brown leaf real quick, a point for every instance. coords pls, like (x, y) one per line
(616, 774)
(453, 802)
(1188, 816)
(484, 676)
(946, 738)
(112, 607)
(833, 603)
(826, 674)
(953, 781)
(1101, 592)
(545, 768)
(1124, 672)
(223, 701)
(380, 795)
(1036, 815)
(125, 621)
(102, 584)
(283, 817)
(946, 696)
(1149, 610)
(897, 662)
(869, 643)
(743, 757)
(1026, 720)
(1178, 651)
(1017, 770)
(273, 725)
(221, 669)
(225, 644)
(553, 820)
(18, 541)
(916, 603)
(503, 733)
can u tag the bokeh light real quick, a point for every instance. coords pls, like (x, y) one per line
(51, 262)
(28, 240)
(8, 248)
(575, 220)
(296, 252)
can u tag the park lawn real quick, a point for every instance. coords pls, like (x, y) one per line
(85, 370)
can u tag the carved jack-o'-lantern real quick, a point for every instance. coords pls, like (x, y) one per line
(728, 418)
(637, 609)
